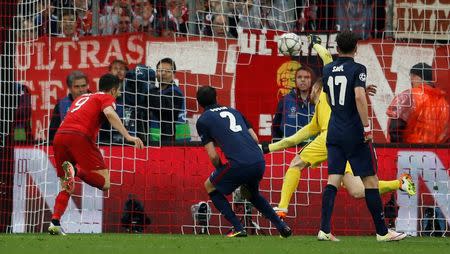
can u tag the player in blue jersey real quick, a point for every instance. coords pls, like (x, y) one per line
(349, 136)
(245, 167)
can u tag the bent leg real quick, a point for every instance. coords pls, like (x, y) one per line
(222, 204)
(96, 178)
(291, 180)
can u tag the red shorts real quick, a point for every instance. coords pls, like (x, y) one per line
(76, 148)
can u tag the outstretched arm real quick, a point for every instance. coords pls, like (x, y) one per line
(115, 122)
(324, 54)
(301, 135)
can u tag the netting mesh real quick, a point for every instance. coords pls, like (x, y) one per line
(230, 45)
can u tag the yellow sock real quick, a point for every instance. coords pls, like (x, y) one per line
(290, 184)
(388, 186)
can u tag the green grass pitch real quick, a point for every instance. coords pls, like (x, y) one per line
(186, 244)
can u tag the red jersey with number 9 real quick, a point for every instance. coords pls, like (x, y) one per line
(85, 115)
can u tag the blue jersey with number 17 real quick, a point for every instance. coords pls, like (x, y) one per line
(339, 81)
(229, 129)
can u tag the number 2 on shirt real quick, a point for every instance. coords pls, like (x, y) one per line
(233, 126)
(80, 103)
(337, 81)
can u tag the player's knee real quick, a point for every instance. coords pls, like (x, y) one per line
(356, 193)
(209, 187)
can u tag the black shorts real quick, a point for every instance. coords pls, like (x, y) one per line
(361, 157)
(227, 178)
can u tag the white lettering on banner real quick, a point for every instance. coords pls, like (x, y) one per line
(265, 125)
(419, 20)
(65, 54)
(91, 54)
(428, 167)
(232, 57)
(402, 60)
(40, 65)
(201, 58)
(262, 46)
(33, 167)
(136, 48)
(48, 92)
(247, 43)
(113, 51)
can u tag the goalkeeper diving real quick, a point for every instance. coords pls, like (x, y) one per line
(315, 152)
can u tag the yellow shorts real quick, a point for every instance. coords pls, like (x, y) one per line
(315, 152)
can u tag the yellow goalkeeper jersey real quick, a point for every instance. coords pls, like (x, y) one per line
(321, 117)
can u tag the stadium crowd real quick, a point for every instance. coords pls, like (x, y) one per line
(204, 17)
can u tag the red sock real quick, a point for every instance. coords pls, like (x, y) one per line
(60, 204)
(92, 178)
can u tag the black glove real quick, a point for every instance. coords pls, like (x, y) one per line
(265, 147)
(313, 39)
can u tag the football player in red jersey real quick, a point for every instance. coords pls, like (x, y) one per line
(74, 143)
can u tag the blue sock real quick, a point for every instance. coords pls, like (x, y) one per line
(264, 207)
(222, 204)
(328, 196)
(373, 201)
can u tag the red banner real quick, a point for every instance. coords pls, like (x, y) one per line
(44, 66)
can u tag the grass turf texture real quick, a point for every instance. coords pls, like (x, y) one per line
(186, 244)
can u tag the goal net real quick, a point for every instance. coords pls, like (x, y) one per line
(49, 45)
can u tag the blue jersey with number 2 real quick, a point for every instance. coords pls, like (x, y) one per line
(229, 129)
(339, 81)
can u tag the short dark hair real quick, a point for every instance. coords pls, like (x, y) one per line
(108, 82)
(346, 42)
(168, 61)
(75, 75)
(118, 61)
(423, 70)
(206, 96)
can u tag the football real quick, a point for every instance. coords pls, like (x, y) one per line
(289, 44)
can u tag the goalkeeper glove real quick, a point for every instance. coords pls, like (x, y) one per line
(313, 39)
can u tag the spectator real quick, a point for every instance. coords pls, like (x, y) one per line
(107, 134)
(77, 82)
(220, 26)
(420, 114)
(248, 14)
(356, 16)
(177, 16)
(41, 20)
(109, 20)
(138, 83)
(167, 106)
(295, 110)
(278, 14)
(151, 23)
(308, 20)
(84, 18)
(68, 26)
(124, 24)
(119, 68)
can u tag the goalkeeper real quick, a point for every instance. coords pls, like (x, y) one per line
(315, 152)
